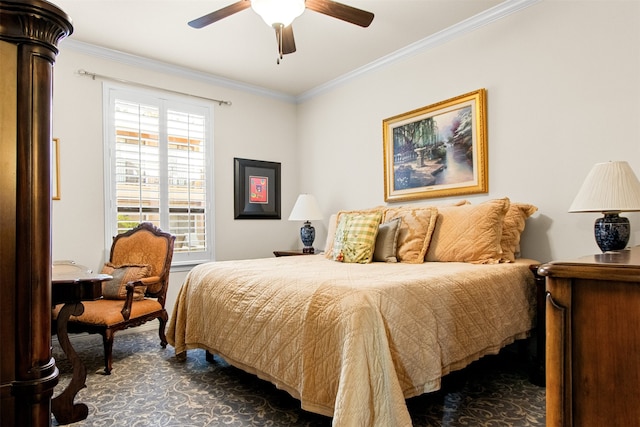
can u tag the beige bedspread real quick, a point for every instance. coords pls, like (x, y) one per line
(352, 341)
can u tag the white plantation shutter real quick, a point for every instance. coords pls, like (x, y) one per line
(157, 163)
(187, 178)
(137, 164)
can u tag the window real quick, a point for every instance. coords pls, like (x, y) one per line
(158, 157)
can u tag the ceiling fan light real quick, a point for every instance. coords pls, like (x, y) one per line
(278, 11)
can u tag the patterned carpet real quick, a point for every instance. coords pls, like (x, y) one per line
(149, 387)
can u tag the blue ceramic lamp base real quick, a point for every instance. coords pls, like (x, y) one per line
(307, 235)
(612, 232)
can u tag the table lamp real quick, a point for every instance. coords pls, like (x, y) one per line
(306, 209)
(610, 188)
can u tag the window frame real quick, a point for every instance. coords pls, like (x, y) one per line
(165, 101)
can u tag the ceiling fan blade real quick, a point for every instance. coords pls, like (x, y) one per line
(341, 11)
(288, 42)
(219, 14)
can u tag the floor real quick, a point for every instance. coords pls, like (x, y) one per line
(149, 387)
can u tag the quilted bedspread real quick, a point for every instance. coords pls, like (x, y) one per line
(352, 341)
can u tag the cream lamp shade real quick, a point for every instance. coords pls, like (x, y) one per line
(610, 188)
(306, 209)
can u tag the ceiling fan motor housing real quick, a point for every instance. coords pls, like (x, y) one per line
(281, 12)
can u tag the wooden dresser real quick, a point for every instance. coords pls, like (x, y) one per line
(29, 33)
(593, 340)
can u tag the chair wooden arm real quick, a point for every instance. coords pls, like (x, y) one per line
(126, 308)
(145, 282)
(150, 280)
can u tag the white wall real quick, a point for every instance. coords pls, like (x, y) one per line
(563, 90)
(253, 127)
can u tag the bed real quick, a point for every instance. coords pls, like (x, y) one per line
(353, 340)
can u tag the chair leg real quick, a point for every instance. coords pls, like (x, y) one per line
(107, 340)
(163, 322)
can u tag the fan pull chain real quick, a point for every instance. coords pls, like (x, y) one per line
(279, 28)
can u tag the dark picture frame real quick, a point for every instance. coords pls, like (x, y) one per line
(437, 151)
(256, 189)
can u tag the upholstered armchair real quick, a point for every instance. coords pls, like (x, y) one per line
(139, 263)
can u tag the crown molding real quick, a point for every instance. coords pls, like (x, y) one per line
(484, 18)
(497, 12)
(175, 70)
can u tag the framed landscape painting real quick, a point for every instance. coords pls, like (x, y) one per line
(437, 151)
(256, 189)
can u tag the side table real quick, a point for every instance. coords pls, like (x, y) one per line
(293, 252)
(71, 288)
(593, 340)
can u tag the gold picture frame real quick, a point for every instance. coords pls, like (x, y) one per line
(437, 151)
(55, 169)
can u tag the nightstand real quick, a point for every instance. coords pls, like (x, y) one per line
(292, 253)
(593, 340)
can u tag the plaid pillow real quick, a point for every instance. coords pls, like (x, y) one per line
(355, 237)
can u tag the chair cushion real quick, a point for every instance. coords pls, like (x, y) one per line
(106, 312)
(141, 248)
(123, 274)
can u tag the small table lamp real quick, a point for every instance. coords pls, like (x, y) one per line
(306, 209)
(610, 188)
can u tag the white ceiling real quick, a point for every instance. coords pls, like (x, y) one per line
(243, 48)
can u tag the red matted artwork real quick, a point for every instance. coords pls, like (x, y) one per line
(258, 189)
(256, 186)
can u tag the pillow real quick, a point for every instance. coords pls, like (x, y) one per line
(356, 237)
(331, 234)
(123, 274)
(333, 224)
(512, 228)
(469, 233)
(416, 229)
(387, 241)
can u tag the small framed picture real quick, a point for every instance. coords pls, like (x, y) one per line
(256, 189)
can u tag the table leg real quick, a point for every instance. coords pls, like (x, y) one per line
(62, 406)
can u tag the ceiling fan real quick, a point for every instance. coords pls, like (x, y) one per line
(279, 14)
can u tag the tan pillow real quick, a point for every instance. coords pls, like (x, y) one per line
(356, 237)
(331, 233)
(416, 230)
(123, 274)
(469, 233)
(512, 228)
(387, 241)
(333, 224)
